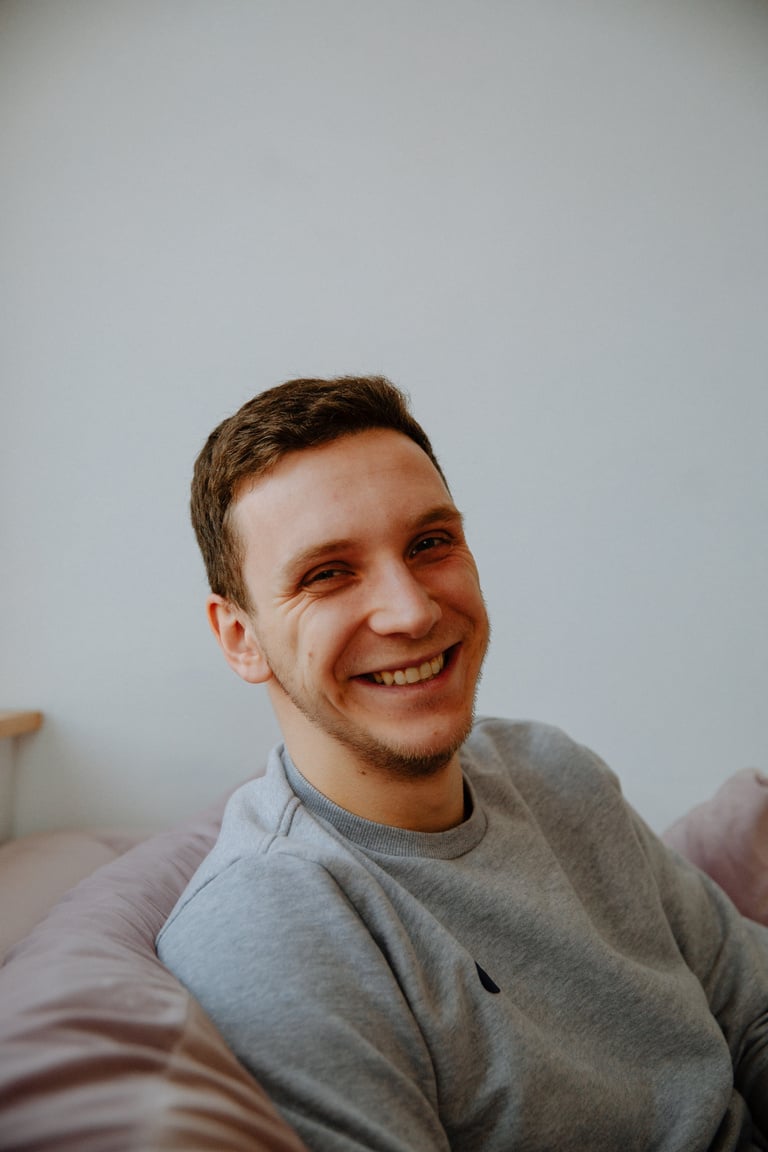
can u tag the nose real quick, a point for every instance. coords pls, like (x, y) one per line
(402, 604)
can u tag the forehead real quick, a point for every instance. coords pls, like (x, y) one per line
(353, 487)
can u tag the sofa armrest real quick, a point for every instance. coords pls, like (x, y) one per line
(101, 1048)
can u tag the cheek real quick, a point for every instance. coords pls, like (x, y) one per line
(323, 636)
(461, 586)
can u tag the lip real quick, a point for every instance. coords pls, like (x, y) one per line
(448, 654)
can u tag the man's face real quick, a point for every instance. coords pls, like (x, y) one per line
(368, 623)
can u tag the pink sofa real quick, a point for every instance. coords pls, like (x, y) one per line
(102, 1050)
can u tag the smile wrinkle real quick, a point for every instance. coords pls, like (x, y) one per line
(413, 674)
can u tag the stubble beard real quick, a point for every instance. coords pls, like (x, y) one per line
(378, 756)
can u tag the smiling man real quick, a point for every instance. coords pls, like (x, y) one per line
(367, 623)
(421, 932)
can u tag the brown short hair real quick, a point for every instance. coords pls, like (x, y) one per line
(298, 414)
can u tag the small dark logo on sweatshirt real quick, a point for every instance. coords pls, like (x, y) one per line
(485, 980)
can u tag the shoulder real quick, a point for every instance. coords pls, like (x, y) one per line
(269, 849)
(262, 914)
(558, 779)
(529, 751)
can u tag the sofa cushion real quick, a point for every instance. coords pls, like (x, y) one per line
(36, 870)
(101, 1049)
(727, 837)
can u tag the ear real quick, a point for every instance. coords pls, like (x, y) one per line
(234, 631)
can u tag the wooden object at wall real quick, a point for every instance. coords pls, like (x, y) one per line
(12, 724)
(17, 723)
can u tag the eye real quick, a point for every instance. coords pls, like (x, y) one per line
(430, 544)
(323, 576)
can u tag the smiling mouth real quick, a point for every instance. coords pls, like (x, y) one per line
(412, 674)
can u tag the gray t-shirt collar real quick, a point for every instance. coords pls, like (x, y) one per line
(384, 838)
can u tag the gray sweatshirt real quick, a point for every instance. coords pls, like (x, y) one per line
(545, 976)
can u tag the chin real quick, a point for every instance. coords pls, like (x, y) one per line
(420, 765)
(416, 761)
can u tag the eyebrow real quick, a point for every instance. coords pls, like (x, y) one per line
(298, 564)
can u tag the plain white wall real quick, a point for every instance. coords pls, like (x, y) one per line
(547, 221)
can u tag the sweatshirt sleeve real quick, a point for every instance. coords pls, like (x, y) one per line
(305, 997)
(729, 956)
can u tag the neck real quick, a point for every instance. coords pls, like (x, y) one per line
(430, 802)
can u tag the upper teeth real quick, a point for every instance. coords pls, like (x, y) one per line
(413, 674)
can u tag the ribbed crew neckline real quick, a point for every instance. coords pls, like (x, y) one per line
(386, 839)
